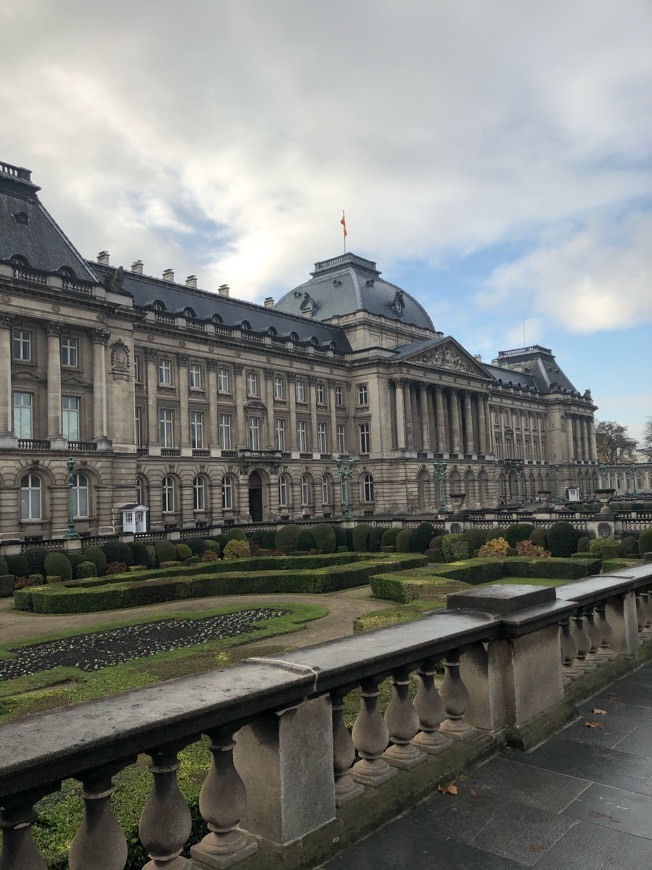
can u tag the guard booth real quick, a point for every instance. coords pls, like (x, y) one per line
(134, 517)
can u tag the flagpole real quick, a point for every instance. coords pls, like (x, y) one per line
(343, 222)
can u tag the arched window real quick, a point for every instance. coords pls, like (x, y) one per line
(245, 326)
(227, 493)
(66, 272)
(167, 494)
(158, 305)
(19, 261)
(306, 488)
(283, 490)
(80, 500)
(217, 320)
(199, 494)
(294, 336)
(367, 488)
(30, 497)
(325, 489)
(189, 314)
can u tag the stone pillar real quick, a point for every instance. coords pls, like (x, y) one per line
(6, 400)
(54, 381)
(425, 426)
(332, 439)
(469, 445)
(152, 408)
(312, 393)
(267, 438)
(292, 398)
(100, 341)
(240, 397)
(407, 406)
(570, 450)
(455, 422)
(482, 424)
(592, 441)
(184, 411)
(621, 615)
(213, 437)
(440, 420)
(400, 415)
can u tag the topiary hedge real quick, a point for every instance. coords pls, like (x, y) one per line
(183, 552)
(35, 558)
(324, 538)
(197, 545)
(140, 553)
(116, 551)
(235, 535)
(306, 541)
(375, 537)
(475, 538)
(422, 536)
(165, 551)
(517, 532)
(562, 539)
(17, 565)
(96, 555)
(389, 537)
(404, 541)
(540, 537)
(287, 538)
(644, 542)
(361, 537)
(86, 569)
(58, 565)
(454, 548)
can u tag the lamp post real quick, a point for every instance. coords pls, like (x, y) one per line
(518, 470)
(439, 467)
(71, 532)
(558, 499)
(345, 471)
(634, 490)
(602, 473)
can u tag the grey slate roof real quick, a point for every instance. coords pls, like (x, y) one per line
(350, 283)
(538, 364)
(404, 350)
(34, 236)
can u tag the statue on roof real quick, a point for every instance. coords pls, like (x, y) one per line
(115, 279)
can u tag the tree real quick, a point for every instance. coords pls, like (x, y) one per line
(614, 445)
(646, 443)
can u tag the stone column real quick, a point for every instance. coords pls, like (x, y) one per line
(100, 341)
(54, 381)
(455, 422)
(482, 424)
(592, 441)
(152, 409)
(587, 438)
(621, 614)
(407, 405)
(440, 420)
(400, 415)
(312, 393)
(569, 437)
(332, 439)
(240, 397)
(268, 435)
(6, 400)
(469, 444)
(184, 411)
(211, 366)
(425, 426)
(292, 398)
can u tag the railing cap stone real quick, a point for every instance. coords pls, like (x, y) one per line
(501, 598)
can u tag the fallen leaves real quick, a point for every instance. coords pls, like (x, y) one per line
(537, 847)
(451, 788)
(594, 724)
(598, 712)
(473, 792)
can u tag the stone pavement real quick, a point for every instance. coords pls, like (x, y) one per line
(580, 801)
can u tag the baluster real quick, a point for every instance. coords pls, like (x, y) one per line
(99, 842)
(370, 737)
(641, 616)
(456, 699)
(403, 723)
(593, 633)
(582, 642)
(165, 822)
(16, 819)
(647, 610)
(568, 649)
(346, 787)
(222, 801)
(606, 633)
(430, 710)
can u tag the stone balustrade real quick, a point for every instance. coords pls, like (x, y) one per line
(502, 663)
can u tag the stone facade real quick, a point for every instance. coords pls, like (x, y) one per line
(210, 410)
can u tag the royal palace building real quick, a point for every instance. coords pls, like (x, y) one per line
(121, 389)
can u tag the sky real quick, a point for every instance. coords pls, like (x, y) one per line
(494, 157)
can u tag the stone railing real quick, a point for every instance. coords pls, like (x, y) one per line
(284, 767)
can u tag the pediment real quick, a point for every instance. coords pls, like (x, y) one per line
(448, 355)
(254, 405)
(74, 381)
(27, 376)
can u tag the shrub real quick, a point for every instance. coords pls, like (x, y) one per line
(435, 551)
(165, 551)
(269, 540)
(220, 540)
(324, 538)
(306, 541)
(235, 535)
(611, 566)
(75, 557)
(475, 538)
(492, 534)
(644, 542)
(17, 565)
(35, 557)
(518, 532)
(527, 548)
(375, 537)
(237, 549)
(361, 537)
(151, 552)
(421, 537)
(496, 548)
(117, 568)
(340, 536)
(140, 553)
(209, 556)
(454, 548)
(628, 546)
(287, 538)
(345, 549)
(540, 537)
(604, 548)
(116, 551)
(58, 564)
(562, 539)
(389, 537)
(583, 544)
(96, 555)
(4, 568)
(86, 569)
(183, 552)
(404, 541)
(197, 545)
(214, 546)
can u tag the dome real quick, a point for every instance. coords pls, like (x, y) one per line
(348, 283)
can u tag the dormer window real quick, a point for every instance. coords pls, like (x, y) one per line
(189, 314)
(66, 272)
(19, 261)
(217, 320)
(21, 217)
(245, 326)
(158, 306)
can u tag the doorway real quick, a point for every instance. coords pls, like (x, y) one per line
(255, 497)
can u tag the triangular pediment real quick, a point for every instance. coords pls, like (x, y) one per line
(74, 381)
(26, 376)
(448, 355)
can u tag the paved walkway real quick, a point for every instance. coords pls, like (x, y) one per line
(580, 801)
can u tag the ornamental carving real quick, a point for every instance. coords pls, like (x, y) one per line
(308, 305)
(398, 304)
(444, 358)
(120, 361)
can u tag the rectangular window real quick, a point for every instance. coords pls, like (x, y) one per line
(224, 380)
(526, 421)
(22, 341)
(165, 372)
(341, 438)
(339, 397)
(322, 440)
(301, 391)
(282, 491)
(363, 395)
(252, 384)
(365, 438)
(254, 433)
(279, 387)
(321, 394)
(227, 494)
(138, 368)
(138, 427)
(279, 432)
(70, 352)
(302, 436)
(166, 427)
(70, 417)
(197, 430)
(195, 380)
(23, 415)
(224, 421)
(517, 420)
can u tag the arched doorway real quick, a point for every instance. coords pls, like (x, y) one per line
(255, 497)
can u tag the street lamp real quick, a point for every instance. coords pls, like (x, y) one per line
(559, 499)
(439, 467)
(519, 485)
(72, 532)
(345, 470)
(634, 490)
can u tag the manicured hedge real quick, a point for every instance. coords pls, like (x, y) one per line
(394, 589)
(609, 566)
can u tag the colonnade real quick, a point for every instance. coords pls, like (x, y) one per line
(580, 436)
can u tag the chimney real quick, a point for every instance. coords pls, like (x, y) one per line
(223, 290)
(269, 302)
(191, 281)
(103, 258)
(137, 267)
(168, 275)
